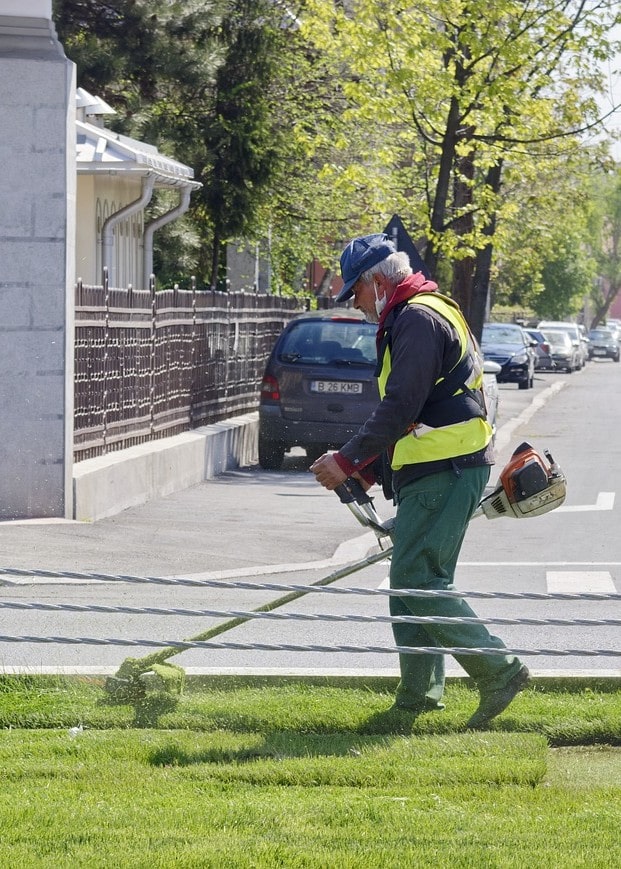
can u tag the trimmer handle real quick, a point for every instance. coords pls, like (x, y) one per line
(352, 490)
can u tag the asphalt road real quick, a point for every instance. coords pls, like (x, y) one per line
(255, 526)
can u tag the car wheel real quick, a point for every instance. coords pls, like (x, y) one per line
(617, 357)
(271, 454)
(523, 384)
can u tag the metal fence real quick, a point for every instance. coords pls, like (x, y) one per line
(152, 364)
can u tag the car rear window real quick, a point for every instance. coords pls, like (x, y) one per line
(558, 339)
(502, 334)
(324, 342)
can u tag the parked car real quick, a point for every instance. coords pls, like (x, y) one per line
(604, 344)
(318, 386)
(513, 349)
(584, 337)
(565, 350)
(573, 329)
(491, 370)
(544, 361)
(615, 327)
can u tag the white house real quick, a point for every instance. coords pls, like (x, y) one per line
(116, 179)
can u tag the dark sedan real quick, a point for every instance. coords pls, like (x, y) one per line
(603, 345)
(512, 348)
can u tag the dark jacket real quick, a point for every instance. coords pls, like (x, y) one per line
(424, 347)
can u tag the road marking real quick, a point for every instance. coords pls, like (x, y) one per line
(540, 564)
(50, 520)
(562, 581)
(605, 501)
(598, 581)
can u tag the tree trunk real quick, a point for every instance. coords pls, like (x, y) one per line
(215, 261)
(438, 214)
(483, 263)
(324, 284)
(463, 269)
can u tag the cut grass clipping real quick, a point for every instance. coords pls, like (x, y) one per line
(298, 775)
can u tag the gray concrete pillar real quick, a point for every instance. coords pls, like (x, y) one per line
(37, 263)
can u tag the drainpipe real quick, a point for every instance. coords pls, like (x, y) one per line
(151, 228)
(107, 232)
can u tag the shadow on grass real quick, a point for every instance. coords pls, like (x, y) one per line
(148, 707)
(271, 746)
(392, 720)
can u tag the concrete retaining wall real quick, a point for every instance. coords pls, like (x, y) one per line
(109, 484)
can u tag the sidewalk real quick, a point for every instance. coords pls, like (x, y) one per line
(237, 521)
(239, 524)
(161, 521)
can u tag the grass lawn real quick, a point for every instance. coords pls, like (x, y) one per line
(291, 774)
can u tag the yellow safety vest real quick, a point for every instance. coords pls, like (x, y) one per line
(424, 443)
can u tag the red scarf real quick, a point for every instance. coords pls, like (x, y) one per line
(410, 286)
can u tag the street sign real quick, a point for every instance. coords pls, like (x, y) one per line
(398, 234)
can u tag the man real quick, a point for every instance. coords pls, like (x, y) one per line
(431, 419)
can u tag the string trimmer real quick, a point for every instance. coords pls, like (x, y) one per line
(529, 485)
(136, 675)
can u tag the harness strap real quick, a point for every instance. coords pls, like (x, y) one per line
(472, 401)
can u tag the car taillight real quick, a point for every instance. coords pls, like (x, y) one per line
(269, 389)
(545, 347)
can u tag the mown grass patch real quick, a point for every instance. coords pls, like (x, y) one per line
(153, 798)
(563, 712)
(245, 773)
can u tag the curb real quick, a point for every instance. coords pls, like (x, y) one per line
(227, 679)
(106, 485)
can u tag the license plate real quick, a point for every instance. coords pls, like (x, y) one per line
(599, 351)
(336, 386)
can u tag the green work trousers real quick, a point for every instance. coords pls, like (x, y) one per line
(432, 517)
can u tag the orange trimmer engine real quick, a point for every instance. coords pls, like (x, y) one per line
(529, 485)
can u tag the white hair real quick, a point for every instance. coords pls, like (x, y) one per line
(396, 267)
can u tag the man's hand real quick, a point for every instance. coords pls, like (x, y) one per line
(327, 472)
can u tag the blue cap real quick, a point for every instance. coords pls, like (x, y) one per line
(359, 256)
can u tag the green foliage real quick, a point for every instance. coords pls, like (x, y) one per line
(455, 97)
(464, 118)
(567, 280)
(547, 261)
(240, 137)
(605, 239)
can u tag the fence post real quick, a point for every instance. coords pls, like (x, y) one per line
(104, 418)
(193, 353)
(227, 352)
(153, 359)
